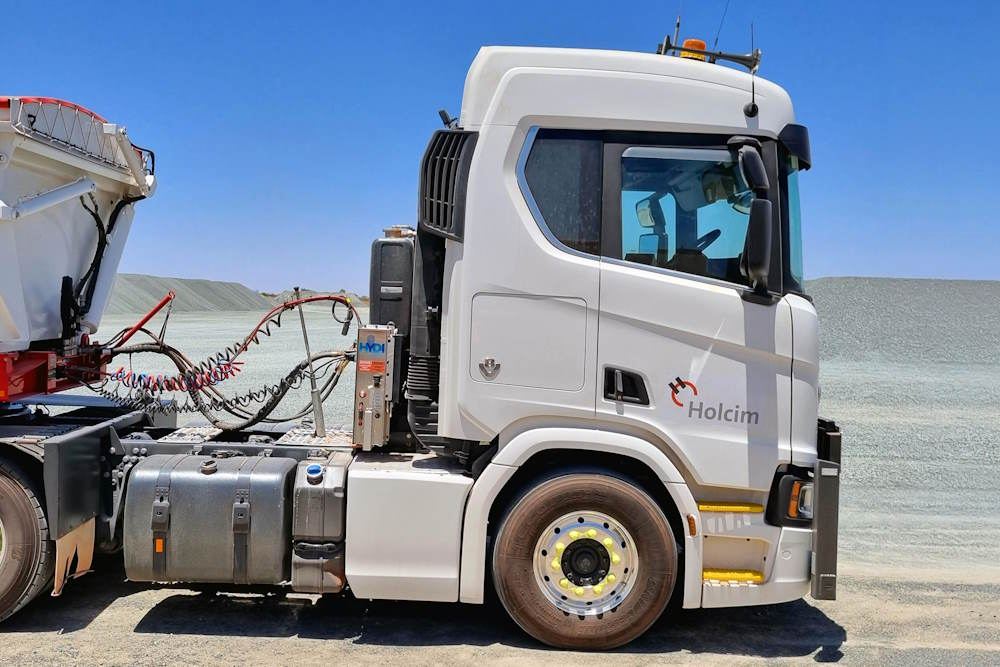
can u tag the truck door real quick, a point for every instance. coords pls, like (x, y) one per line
(681, 353)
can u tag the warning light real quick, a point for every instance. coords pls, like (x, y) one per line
(158, 545)
(693, 44)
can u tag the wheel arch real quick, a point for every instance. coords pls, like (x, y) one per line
(539, 454)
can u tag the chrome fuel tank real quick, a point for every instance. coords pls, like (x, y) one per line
(200, 519)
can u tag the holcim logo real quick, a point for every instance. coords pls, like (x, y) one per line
(698, 410)
(677, 385)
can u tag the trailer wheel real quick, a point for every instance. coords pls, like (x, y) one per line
(585, 561)
(26, 555)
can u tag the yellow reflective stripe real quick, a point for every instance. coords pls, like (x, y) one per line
(731, 507)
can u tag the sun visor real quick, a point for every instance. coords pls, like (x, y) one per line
(795, 138)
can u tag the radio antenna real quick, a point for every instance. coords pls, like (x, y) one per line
(718, 32)
(751, 109)
(677, 26)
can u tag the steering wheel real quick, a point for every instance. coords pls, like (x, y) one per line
(707, 240)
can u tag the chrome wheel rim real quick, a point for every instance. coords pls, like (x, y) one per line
(585, 563)
(3, 544)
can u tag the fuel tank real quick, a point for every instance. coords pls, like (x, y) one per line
(192, 518)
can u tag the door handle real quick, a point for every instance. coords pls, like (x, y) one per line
(625, 386)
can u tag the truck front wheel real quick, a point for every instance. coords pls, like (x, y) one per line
(26, 554)
(585, 561)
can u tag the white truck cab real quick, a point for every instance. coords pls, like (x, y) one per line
(591, 215)
(590, 377)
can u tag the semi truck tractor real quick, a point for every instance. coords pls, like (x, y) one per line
(587, 386)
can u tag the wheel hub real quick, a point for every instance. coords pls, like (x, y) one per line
(586, 563)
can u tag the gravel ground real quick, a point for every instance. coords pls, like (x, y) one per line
(103, 620)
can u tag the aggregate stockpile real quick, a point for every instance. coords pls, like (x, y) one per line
(590, 374)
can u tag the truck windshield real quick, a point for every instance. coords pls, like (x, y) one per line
(794, 280)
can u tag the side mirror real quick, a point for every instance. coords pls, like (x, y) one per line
(756, 259)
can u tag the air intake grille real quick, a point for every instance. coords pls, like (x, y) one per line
(444, 174)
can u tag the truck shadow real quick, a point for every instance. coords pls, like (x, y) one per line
(794, 629)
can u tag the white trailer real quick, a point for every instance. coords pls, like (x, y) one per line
(590, 379)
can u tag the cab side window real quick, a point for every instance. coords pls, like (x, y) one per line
(563, 175)
(684, 209)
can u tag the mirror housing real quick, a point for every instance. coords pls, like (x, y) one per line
(644, 213)
(756, 259)
(752, 166)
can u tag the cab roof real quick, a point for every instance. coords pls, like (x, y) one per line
(601, 73)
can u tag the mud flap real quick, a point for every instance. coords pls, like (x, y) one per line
(72, 476)
(78, 544)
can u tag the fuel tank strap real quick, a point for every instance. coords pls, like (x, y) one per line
(160, 519)
(241, 520)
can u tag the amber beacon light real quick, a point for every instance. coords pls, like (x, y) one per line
(698, 44)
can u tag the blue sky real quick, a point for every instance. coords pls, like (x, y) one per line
(288, 135)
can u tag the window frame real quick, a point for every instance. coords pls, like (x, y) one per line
(529, 198)
(611, 219)
(614, 144)
(786, 237)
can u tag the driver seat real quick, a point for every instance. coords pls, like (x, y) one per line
(689, 260)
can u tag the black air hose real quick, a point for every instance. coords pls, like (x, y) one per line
(89, 279)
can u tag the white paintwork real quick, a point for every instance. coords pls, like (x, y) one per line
(805, 380)
(508, 92)
(787, 580)
(46, 234)
(404, 526)
(512, 258)
(558, 364)
(517, 450)
(613, 89)
(735, 352)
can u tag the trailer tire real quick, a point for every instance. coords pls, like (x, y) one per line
(535, 556)
(27, 556)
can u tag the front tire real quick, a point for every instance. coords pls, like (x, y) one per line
(26, 555)
(585, 561)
